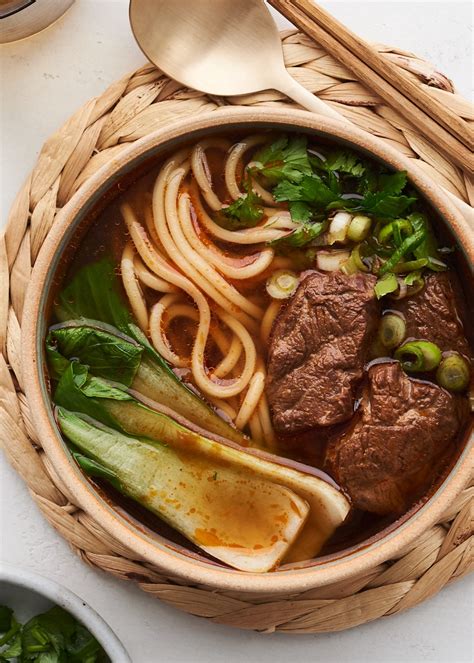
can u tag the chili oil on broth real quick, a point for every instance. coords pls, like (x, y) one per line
(110, 235)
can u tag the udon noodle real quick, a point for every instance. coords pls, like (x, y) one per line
(176, 251)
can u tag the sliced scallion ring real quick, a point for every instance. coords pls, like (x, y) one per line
(355, 263)
(392, 330)
(410, 266)
(331, 261)
(400, 226)
(415, 282)
(418, 356)
(453, 373)
(356, 257)
(359, 228)
(282, 284)
(338, 227)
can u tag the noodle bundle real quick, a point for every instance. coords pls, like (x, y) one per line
(191, 267)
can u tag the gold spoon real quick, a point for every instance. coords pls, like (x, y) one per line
(220, 47)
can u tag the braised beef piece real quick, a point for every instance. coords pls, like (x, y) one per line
(318, 349)
(401, 428)
(432, 314)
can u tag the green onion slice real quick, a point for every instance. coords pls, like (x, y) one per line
(392, 331)
(410, 266)
(408, 245)
(385, 285)
(415, 282)
(355, 263)
(282, 284)
(359, 228)
(395, 229)
(418, 356)
(453, 373)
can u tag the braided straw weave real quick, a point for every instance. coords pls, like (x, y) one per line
(129, 109)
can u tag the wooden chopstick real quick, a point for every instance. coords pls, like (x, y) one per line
(335, 38)
(394, 75)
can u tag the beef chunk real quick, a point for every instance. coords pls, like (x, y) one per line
(432, 314)
(318, 350)
(402, 427)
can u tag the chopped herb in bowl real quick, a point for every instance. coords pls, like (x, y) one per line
(54, 636)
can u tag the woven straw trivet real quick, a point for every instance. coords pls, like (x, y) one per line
(129, 109)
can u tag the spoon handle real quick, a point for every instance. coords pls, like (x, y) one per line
(304, 98)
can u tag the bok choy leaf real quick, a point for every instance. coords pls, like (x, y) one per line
(94, 293)
(112, 355)
(108, 353)
(100, 331)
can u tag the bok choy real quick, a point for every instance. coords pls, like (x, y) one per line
(116, 407)
(112, 355)
(101, 332)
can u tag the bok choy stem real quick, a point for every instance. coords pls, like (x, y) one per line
(196, 495)
(117, 408)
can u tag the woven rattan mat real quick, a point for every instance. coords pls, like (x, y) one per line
(134, 106)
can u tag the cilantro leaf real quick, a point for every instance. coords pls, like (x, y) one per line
(300, 211)
(286, 158)
(393, 183)
(246, 211)
(299, 237)
(286, 190)
(10, 629)
(311, 189)
(14, 648)
(383, 194)
(51, 637)
(342, 161)
(333, 182)
(51, 629)
(385, 205)
(83, 647)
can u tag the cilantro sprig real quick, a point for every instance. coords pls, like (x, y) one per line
(245, 212)
(284, 159)
(299, 237)
(323, 193)
(314, 185)
(311, 183)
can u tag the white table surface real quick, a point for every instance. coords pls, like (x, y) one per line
(44, 79)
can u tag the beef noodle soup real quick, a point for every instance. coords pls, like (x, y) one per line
(259, 349)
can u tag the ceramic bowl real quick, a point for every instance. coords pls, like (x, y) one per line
(169, 557)
(30, 594)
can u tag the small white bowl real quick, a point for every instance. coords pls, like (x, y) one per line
(29, 594)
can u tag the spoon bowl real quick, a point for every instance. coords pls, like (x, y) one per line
(225, 47)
